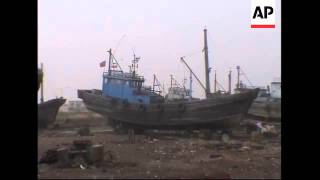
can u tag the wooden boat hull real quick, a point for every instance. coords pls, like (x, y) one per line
(214, 113)
(47, 111)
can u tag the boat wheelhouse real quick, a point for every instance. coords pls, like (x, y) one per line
(127, 86)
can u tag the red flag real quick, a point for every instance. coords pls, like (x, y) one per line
(103, 64)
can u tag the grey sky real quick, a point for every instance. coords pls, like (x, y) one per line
(74, 36)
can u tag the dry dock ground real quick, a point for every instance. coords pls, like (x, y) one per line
(164, 156)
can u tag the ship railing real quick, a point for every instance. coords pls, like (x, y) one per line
(254, 87)
(120, 74)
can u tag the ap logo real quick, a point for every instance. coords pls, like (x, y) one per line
(263, 14)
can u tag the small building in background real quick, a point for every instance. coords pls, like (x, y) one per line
(275, 90)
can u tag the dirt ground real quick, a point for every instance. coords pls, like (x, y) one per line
(164, 155)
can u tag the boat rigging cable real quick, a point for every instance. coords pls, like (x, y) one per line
(220, 86)
(193, 73)
(246, 77)
(225, 62)
(118, 44)
(193, 53)
(116, 62)
(157, 83)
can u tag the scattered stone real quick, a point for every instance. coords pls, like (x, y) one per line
(50, 156)
(82, 144)
(96, 154)
(255, 136)
(63, 157)
(225, 138)
(214, 156)
(84, 131)
(257, 147)
(80, 154)
(244, 148)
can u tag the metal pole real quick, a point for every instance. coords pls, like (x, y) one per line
(238, 80)
(229, 77)
(206, 63)
(190, 85)
(215, 81)
(41, 95)
(109, 68)
(154, 79)
(163, 93)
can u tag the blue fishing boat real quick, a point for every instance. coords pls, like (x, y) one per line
(128, 103)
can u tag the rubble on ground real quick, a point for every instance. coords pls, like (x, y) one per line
(80, 154)
(164, 155)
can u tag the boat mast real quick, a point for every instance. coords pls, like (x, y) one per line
(41, 86)
(154, 82)
(109, 67)
(190, 93)
(215, 81)
(206, 63)
(229, 78)
(135, 64)
(238, 81)
(163, 92)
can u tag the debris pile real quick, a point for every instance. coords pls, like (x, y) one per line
(257, 128)
(80, 154)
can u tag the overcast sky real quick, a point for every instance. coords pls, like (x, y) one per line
(74, 36)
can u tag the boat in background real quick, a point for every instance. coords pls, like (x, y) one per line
(48, 110)
(267, 105)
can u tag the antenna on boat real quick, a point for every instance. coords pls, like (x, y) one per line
(135, 63)
(217, 84)
(41, 85)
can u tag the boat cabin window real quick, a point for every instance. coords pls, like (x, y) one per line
(136, 84)
(114, 81)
